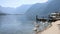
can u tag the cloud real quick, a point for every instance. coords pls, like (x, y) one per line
(15, 3)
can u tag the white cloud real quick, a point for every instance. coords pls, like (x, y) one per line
(15, 3)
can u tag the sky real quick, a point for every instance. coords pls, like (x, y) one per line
(16, 3)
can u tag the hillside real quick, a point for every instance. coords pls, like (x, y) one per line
(36, 9)
(22, 9)
(43, 9)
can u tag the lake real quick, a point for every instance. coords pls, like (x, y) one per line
(15, 24)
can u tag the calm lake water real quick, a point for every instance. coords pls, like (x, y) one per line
(15, 24)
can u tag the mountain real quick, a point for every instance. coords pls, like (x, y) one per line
(43, 9)
(19, 10)
(36, 9)
(53, 6)
(7, 10)
(1, 13)
(22, 9)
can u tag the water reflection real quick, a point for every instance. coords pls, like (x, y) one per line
(15, 24)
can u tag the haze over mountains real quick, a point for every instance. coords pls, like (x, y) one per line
(43, 9)
(40, 9)
(22, 9)
(36, 9)
(7, 10)
(19, 10)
